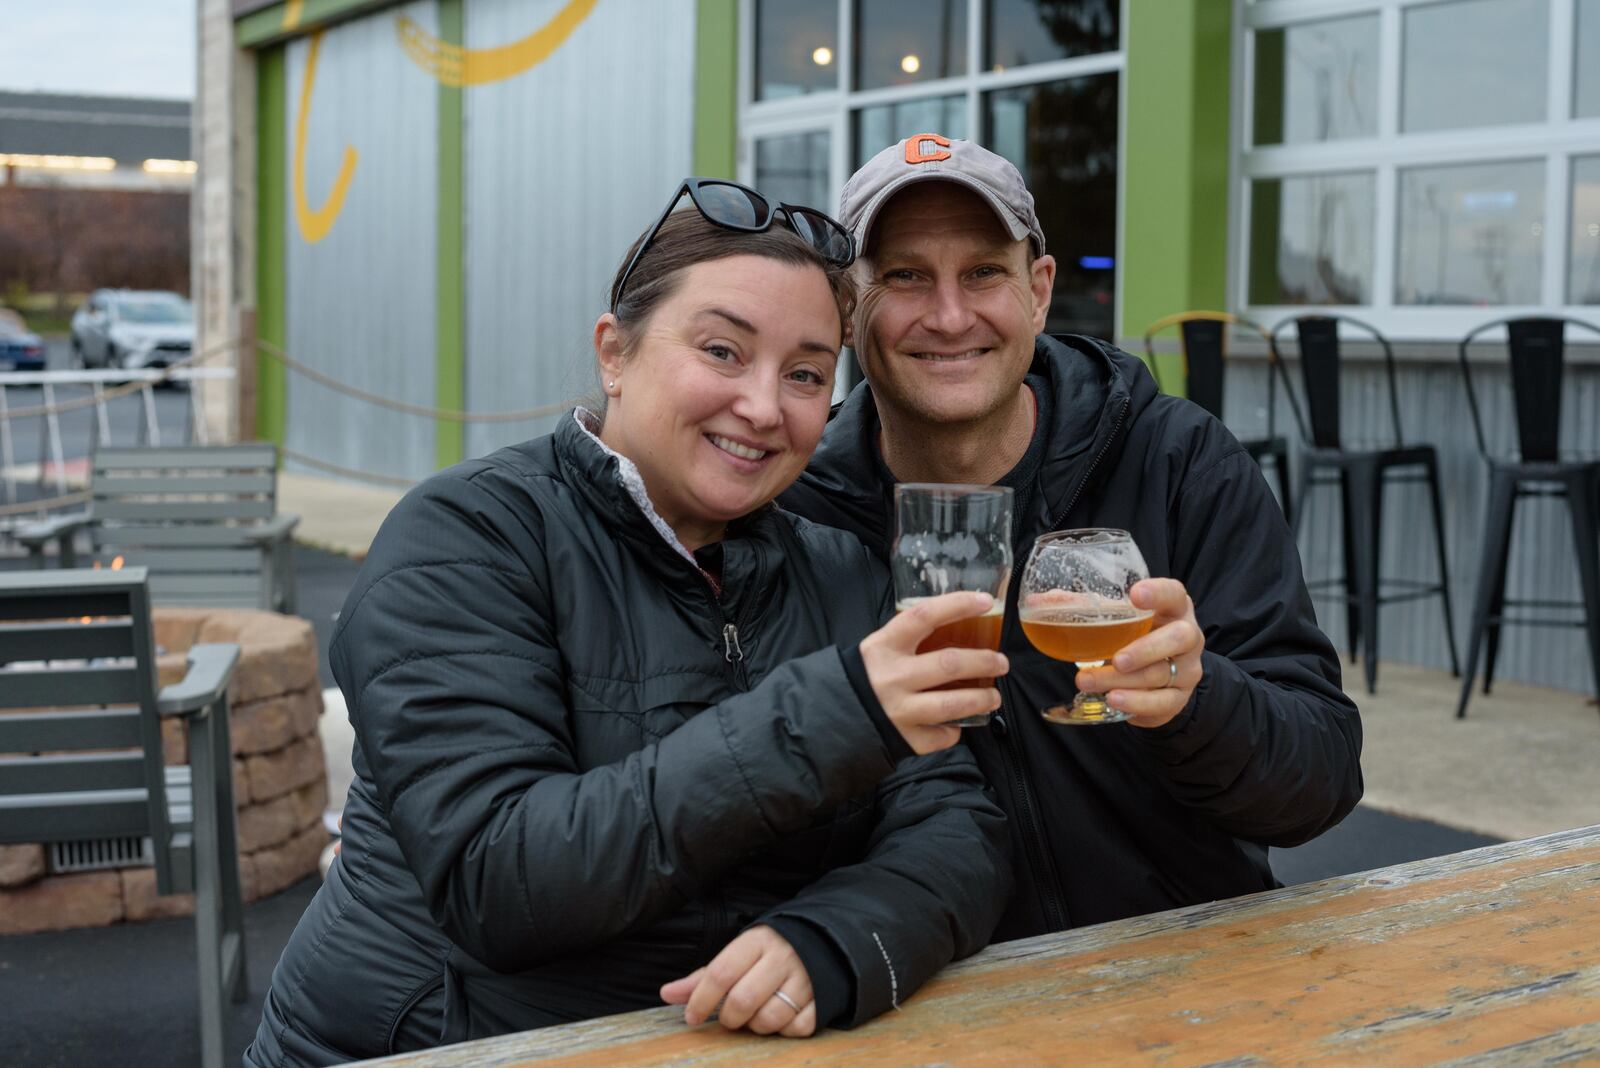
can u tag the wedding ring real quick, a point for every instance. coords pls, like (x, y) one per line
(787, 1000)
(1172, 674)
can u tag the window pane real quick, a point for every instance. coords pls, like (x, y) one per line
(1471, 234)
(879, 127)
(796, 47)
(1583, 267)
(1062, 136)
(899, 44)
(1474, 63)
(794, 169)
(1311, 239)
(1585, 71)
(1034, 31)
(1317, 82)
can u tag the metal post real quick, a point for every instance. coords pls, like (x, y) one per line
(102, 424)
(7, 459)
(153, 429)
(198, 434)
(52, 422)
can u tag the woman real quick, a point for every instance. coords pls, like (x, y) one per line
(617, 716)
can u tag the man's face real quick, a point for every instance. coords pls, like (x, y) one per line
(949, 306)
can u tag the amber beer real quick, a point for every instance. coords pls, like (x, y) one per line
(980, 632)
(1084, 638)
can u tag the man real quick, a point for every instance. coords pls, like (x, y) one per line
(1240, 736)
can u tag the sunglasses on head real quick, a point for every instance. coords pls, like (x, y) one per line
(736, 207)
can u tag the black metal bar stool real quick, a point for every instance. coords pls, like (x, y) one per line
(1536, 349)
(1361, 475)
(1205, 352)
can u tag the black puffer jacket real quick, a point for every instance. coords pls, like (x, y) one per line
(579, 774)
(1116, 821)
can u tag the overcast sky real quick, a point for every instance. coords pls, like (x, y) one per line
(99, 47)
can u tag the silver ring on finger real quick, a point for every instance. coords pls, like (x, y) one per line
(787, 1000)
(1172, 674)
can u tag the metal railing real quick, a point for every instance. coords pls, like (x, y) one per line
(122, 383)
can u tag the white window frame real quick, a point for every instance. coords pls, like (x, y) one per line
(831, 111)
(1556, 140)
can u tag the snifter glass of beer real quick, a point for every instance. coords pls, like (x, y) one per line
(948, 539)
(1074, 606)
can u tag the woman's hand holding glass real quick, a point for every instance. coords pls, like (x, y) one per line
(907, 683)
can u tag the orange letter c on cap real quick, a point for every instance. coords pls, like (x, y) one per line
(915, 154)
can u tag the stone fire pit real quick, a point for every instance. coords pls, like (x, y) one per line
(279, 779)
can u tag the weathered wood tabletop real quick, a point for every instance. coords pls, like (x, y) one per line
(1486, 957)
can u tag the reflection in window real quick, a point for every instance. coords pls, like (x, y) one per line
(1471, 234)
(794, 169)
(1311, 239)
(1583, 265)
(1585, 69)
(879, 127)
(1062, 136)
(900, 44)
(1474, 63)
(1317, 82)
(796, 47)
(1034, 31)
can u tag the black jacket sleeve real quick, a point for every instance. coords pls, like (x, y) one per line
(1269, 747)
(935, 879)
(453, 674)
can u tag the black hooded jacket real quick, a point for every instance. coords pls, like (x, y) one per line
(579, 774)
(1117, 821)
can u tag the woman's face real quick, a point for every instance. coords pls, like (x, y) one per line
(727, 389)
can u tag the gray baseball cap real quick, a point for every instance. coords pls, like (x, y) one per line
(929, 157)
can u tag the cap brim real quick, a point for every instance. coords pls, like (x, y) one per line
(1014, 226)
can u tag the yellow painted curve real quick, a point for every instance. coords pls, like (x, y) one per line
(292, 12)
(315, 224)
(457, 66)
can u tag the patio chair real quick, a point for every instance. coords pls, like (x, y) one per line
(202, 518)
(1205, 353)
(1361, 473)
(83, 763)
(1536, 352)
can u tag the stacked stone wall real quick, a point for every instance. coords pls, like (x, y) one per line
(279, 779)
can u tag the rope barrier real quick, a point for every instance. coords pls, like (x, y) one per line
(278, 355)
(44, 504)
(454, 415)
(348, 472)
(106, 396)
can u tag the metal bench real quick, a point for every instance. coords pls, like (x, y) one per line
(202, 518)
(82, 760)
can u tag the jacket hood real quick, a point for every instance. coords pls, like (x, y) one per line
(1096, 391)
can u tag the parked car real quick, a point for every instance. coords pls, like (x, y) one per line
(132, 328)
(20, 348)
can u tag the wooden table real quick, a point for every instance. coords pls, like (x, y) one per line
(1486, 957)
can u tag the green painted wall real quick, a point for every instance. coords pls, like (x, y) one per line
(283, 20)
(450, 391)
(1175, 179)
(271, 234)
(716, 90)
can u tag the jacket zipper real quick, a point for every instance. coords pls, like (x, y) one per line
(733, 654)
(1038, 848)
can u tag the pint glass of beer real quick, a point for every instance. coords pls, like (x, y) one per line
(951, 538)
(1074, 606)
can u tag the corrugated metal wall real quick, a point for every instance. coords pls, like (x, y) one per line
(361, 301)
(565, 165)
(1433, 409)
